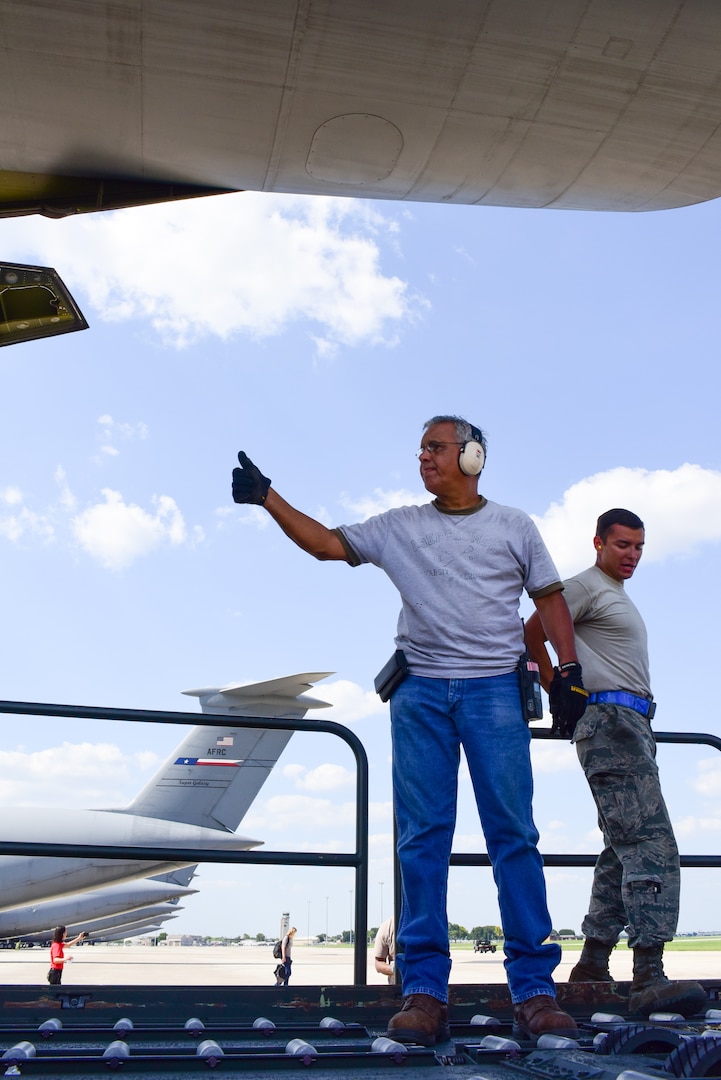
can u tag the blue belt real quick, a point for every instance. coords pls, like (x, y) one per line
(623, 697)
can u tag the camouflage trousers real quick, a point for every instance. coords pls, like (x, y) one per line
(636, 882)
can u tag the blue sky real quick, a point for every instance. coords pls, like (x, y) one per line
(318, 335)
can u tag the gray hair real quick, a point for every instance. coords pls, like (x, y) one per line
(464, 430)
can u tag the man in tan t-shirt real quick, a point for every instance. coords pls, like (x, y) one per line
(636, 880)
(384, 951)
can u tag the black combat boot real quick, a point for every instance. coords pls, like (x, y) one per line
(593, 963)
(651, 991)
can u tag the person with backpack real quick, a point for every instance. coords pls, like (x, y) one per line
(282, 972)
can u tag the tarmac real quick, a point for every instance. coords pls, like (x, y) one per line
(313, 965)
(157, 1011)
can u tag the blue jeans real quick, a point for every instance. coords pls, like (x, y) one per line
(430, 720)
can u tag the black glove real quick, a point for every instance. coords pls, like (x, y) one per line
(566, 699)
(249, 484)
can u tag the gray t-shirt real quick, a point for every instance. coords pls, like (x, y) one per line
(460, 577)
(611, 638)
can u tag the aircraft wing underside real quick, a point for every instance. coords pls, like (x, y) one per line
(585, 104)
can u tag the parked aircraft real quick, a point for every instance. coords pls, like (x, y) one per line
(196, 799)
(144, 930)
(81, 908)
(97, 929)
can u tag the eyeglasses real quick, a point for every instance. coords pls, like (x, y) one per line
(434, 448)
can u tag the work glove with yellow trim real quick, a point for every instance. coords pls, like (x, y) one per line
(567, 699)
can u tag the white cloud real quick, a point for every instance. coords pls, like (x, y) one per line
(350, 702)
(89, 773)
(293, 771)
(708, 783)
(681, 510)
(552, 756)
(695, 826)
(286, 812)
(116, 533)
(113, 431)
(66, 498)
(249, 515)
(13, 496)
(327, 777)
(380, 501)
(15, 527)
(210, 267)
(473, 843)
(111, 531)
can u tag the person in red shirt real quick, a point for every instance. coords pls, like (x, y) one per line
(58, 958)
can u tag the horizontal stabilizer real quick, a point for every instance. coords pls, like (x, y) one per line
(282, 696)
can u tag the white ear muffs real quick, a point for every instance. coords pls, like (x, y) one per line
(472, 457)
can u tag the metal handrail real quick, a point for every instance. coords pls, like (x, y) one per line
(687, 861)
(357, 859)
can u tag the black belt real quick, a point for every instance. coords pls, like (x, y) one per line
(623, 697)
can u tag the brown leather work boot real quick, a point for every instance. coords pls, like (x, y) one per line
(541, 1015)
(652, 991)
(423, 1019)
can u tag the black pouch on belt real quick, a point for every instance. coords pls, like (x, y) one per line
(391, 675)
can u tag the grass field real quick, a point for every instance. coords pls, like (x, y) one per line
(679, 944)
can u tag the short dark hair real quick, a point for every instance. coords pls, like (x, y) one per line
(617, 517)
(58, 933)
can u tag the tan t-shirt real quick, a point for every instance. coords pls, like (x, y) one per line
(611, 638)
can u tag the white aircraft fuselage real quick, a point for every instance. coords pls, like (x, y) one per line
(80, 908)
(27, 879)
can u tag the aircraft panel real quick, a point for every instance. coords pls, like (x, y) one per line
(693, 45)
(405, 52)
(571, 149)
(219, 70)
(77, 86)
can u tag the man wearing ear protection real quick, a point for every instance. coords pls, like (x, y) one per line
(637, 875)
(460, 564)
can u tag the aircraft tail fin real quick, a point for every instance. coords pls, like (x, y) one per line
(212, 778)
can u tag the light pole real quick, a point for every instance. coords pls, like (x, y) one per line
(381, 885)
(309, 922)
(326, 920)
(350, 915)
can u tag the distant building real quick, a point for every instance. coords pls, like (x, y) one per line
(184, 939)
